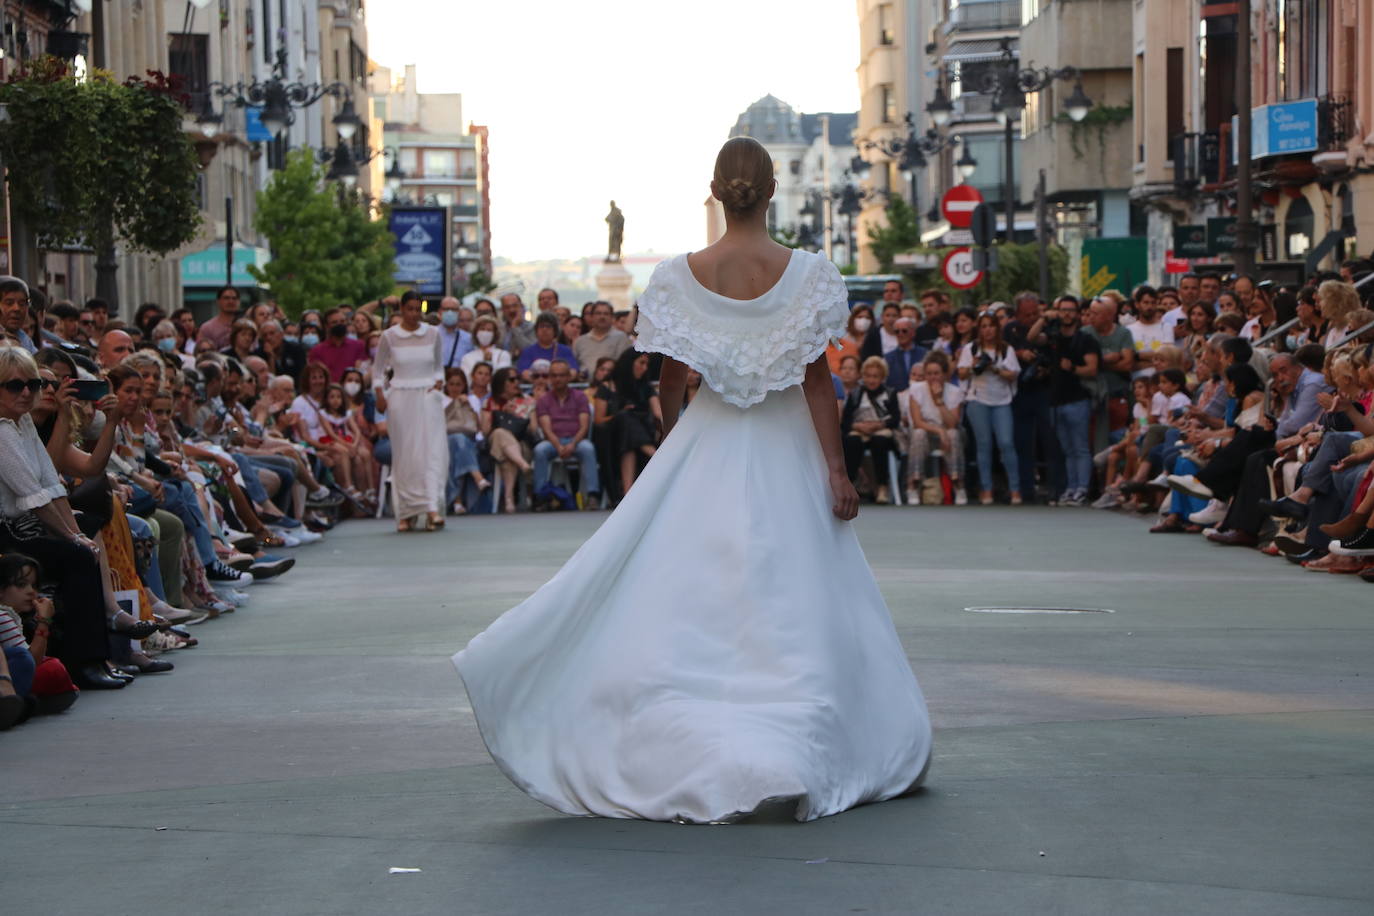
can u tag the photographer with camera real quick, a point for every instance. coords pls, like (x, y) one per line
(989, 368)
(1077, 356)
(1032, 422)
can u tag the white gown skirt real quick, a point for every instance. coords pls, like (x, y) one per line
(719, 642)
(419, 450)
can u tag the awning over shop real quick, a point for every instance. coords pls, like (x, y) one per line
(206, 268)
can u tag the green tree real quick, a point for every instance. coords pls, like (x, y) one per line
(326, 249)
(98, 162)
(479, 282)
(901, 234)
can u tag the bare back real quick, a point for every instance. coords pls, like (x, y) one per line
(740, 269)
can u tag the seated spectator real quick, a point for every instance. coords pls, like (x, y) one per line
(38, 521)
(479, 384)
(628, 408)
(601, 339)
(848, 374)
(852, 341)
(68, 322)
(461, 413)
(1335, 301)
(315, 431)
(869, 424)
(337, 352)
(168, 340)
(283, 356)
(484, 348)
(545, 346)
(40, 683)
(564, 417)
(936, 410)
(507, 423)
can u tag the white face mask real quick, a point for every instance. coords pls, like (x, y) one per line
(863, 324)
(352, 389)
(484, 338)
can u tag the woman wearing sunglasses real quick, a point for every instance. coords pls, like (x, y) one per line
(36, 520)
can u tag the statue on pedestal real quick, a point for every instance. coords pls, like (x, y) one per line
(616, 221)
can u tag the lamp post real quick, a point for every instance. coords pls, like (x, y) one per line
(1008, 84)
(278, 98)
(910, 153)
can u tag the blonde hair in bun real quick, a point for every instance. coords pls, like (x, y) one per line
(743, 176)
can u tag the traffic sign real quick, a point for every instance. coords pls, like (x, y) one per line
(983, 225)
(958, 269)
(958, 203)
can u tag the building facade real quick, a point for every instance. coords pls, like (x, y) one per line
(438, 160)
(810, 152)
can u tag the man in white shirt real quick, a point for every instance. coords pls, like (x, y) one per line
(454, 342)
(1148, 332)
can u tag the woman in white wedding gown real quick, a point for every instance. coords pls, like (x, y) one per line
(720, 641)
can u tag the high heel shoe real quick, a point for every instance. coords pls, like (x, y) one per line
(434, 521)
(404, 525)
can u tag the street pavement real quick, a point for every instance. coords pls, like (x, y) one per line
(1208, 747)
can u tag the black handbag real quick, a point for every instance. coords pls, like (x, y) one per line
(518, 427)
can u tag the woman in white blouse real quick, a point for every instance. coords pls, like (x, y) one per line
(37, 521)
(989, 368)
(414, 406)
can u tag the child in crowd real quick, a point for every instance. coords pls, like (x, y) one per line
(1123, 458)
(30, 681)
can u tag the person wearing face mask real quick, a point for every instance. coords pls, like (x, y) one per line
(485, 349)
(337, 351)
(454, 342)
(310, 336)
(860, 320)
(167, 340)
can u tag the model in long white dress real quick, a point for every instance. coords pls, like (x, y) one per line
(414, 418)
(720, 641)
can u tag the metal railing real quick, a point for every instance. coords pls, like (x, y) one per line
(1335, 117)
(1198, 158)
(997, 14)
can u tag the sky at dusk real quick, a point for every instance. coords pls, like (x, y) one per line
(622, 99)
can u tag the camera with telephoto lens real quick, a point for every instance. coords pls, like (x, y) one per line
(982, 364)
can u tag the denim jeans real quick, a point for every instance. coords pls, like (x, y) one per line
(991, 423)
(282, 467)
(544, 453)
(462, 460)
(1072, 425)
(179, 498)
(21, 669)
(1033, 431)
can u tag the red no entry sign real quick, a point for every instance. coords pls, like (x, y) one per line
(958, 203)
(958, 269)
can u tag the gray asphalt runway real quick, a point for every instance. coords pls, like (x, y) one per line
(1208, 747)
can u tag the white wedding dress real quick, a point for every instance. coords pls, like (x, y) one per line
(720, 641)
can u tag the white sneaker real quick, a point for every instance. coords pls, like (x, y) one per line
(1109, 499)
(960, 496)
(913, 497)
(1209, 515)
(1189, 485)
(306, 536)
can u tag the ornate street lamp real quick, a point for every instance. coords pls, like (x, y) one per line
(277, 98)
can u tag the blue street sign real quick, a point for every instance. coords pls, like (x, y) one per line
(1280, 129)
(421, 248)
(256, 132)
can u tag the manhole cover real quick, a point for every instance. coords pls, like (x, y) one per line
(1039, 610)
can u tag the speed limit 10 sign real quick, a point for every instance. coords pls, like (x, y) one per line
(959, 270)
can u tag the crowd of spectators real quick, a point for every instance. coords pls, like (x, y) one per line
(1229, 408)
(151, 470)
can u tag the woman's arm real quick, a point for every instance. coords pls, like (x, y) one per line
(672, 384)
(820, 395)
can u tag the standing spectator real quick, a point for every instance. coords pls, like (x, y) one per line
(114, 347)
(1031, 413)
(454, 342)
(243, 340)
(869, 423)
(935, 408)
(1209, 288)
(934, 305)
(601, 340)
(1197, 330)
(414, 412)
(564, 416)
(517, 331)
(100, 316)
(1114, 379)
(486, 350)
(68, 318)
(545, 346)
(904, 356)
(1077, 357)
(882, 339)
(338, 351)
(1148, 332)
(632, 409)
(218, 329)
(851, 343)
(989, 368)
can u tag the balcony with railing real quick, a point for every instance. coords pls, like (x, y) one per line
(990, 15)
(1200, 158)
